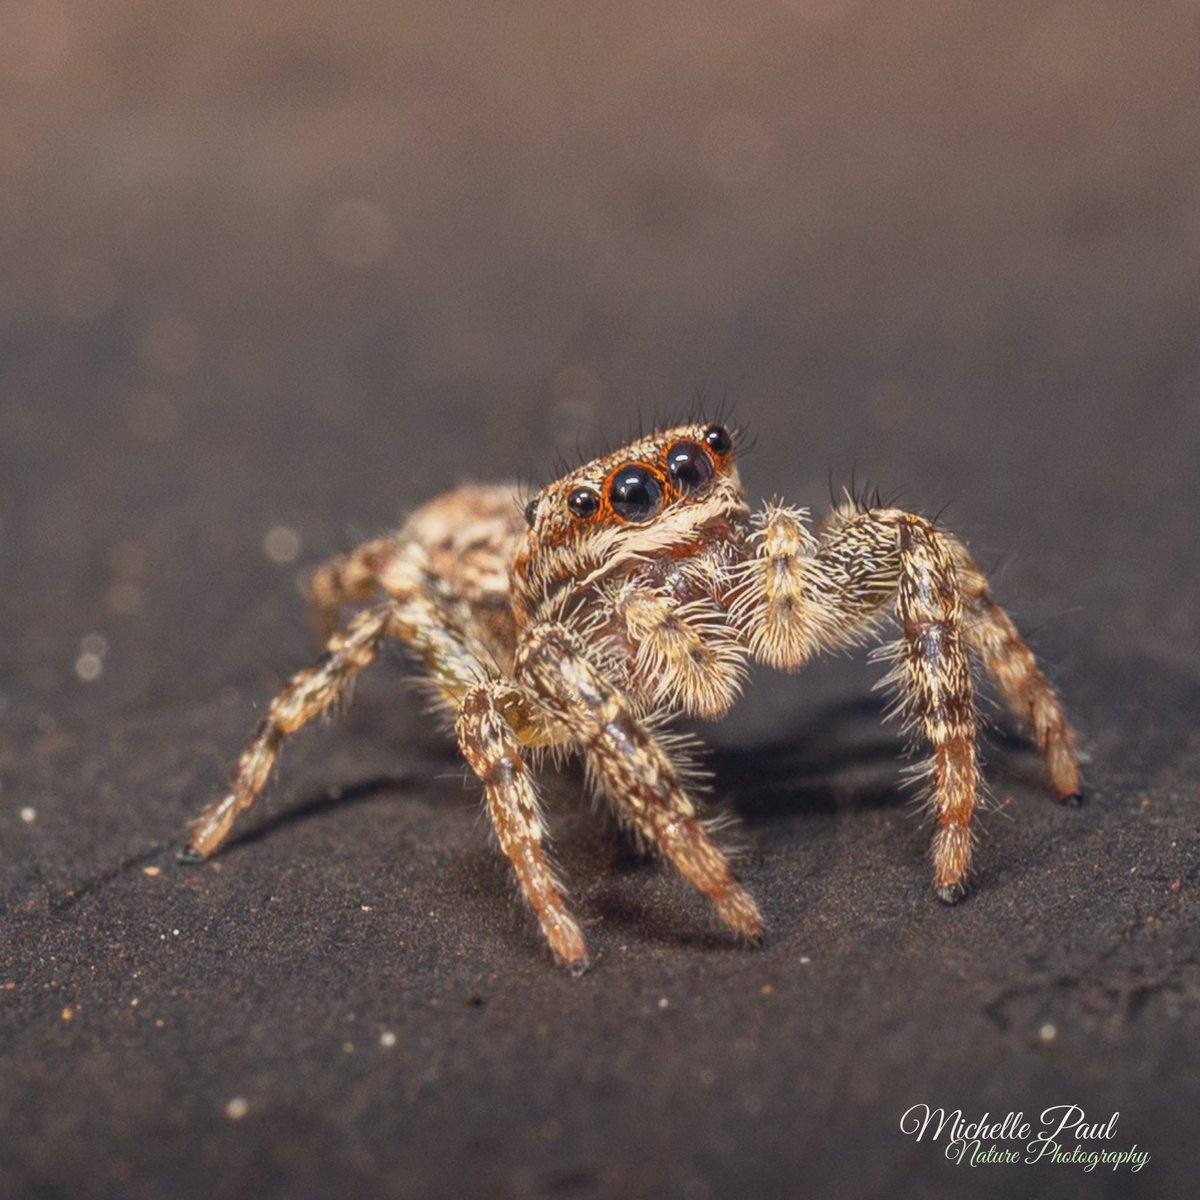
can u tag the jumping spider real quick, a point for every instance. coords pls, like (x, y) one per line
(634, 588)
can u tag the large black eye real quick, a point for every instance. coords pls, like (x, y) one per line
(717, 439)
(531, 512)
(583, 503)
(689, 465)
(635, 493)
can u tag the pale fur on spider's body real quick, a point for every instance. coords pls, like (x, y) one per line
(636, 587)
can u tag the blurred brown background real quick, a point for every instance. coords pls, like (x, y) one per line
(275, 273)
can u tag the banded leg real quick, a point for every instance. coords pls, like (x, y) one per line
(491, 748)
(636, 773)
(803, 594)
(1011, 663)
(686, 655)
(938, 691)
(307, 694)
(348, 579)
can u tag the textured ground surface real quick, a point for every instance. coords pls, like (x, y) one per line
(273, 268)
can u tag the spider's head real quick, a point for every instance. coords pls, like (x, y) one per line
(665, 495)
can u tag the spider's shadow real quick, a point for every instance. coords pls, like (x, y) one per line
(330, 800)
(842, 756)
(837, 757)
(846, 755)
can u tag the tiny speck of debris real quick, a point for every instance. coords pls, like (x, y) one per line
(174, 932)
(153, 872)
(28, 815)
(365, 907)
(805, 959)
(67, 1013)
(1048, 1032)
(237, 1108)
(664, 1002)
(387, 1039)
(134, 1002)
(282, 545)
(765, 990)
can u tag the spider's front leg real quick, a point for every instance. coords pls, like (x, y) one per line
(485, 734)
(635, 771)
(802, 594)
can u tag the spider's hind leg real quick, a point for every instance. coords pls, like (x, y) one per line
(1010, 662)
(352, 578)
(306, 695)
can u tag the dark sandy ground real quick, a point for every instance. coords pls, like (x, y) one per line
(273, 274)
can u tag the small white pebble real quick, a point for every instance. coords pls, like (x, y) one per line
(237, 1108)
(664, 1002)
(89, 667)
(387, 1039)
(174, 932)
(365, 907)
(28, 815)
(1048, 1032)
(282, 544)
(805, 959)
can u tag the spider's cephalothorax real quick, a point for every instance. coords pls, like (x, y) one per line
(636, 587)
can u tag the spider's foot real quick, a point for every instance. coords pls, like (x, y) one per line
(949, 893)
(1072, 800)
(188, 856)
(565, 938)
(736, 908)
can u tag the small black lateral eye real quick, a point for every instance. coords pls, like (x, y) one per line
(531, 512)
(635, 494)
(583, 502)
(689, 466)
(717, 439)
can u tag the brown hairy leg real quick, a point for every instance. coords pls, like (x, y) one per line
(938, 691)
(306, 695)
(493, 752)
(453, 661)
(347, 579)
(1009, 661)
(802, 594)
(635, 771)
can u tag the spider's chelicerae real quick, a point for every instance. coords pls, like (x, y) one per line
(636, 587)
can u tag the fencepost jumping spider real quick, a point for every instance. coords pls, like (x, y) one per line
(634, 588)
